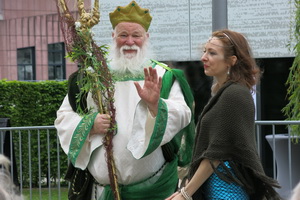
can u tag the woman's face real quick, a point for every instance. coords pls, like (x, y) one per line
(213, 59)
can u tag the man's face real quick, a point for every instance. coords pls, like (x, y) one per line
(130, 38)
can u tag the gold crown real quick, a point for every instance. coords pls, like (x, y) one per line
(131, 13)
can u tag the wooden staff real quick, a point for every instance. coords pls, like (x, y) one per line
(87, 21)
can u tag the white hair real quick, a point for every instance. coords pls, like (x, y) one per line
(133, 63)
(8, 190)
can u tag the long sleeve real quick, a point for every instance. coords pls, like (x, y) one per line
(73, 136)
(149, 133)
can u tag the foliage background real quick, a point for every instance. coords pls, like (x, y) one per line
(292, 109)
(34, 104)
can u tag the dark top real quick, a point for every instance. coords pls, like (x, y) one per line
(226, 132)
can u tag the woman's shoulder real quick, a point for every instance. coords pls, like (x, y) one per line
(236, 97)
(237, 88)
(237, 92)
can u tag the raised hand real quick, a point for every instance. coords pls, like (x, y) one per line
(150, 92)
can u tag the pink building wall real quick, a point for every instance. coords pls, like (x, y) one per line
(30, 23)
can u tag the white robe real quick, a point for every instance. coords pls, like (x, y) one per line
(135, 125)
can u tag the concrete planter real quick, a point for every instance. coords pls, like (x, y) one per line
(281, 148)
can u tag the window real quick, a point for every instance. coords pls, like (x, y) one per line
(56, 61)
(1, 10)
(26, 63)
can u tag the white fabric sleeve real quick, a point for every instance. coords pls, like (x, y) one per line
(179, 116)
(66, 122)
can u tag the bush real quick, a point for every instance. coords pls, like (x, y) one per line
(31, 103)
(34, 104)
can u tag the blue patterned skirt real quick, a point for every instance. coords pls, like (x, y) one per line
(216, 189)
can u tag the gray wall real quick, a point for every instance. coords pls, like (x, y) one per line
(180, 27)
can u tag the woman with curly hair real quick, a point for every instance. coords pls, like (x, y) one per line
(225, 163)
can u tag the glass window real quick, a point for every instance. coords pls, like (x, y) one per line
(26, 63)
(1, 10)
(56, 61)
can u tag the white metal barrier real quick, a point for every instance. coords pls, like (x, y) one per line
(286, 153)
(37, 161)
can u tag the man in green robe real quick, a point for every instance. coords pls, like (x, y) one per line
(154, 115)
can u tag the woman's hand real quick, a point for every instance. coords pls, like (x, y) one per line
(175, 196)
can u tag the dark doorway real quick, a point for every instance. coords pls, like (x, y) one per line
(200, 83)
(272, 98)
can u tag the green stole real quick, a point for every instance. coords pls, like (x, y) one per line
(182, 144)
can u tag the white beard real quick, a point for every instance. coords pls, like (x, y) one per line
(133, 63)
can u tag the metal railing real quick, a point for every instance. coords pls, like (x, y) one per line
(36, 160)
(40, 162)
(285, 152)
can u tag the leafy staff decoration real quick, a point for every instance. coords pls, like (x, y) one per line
(95, 76)
(292, 109)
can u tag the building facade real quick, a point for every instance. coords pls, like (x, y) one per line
(31, 42)
(32, 45)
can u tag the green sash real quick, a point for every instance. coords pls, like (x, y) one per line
(162, 188)
(182, 144)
